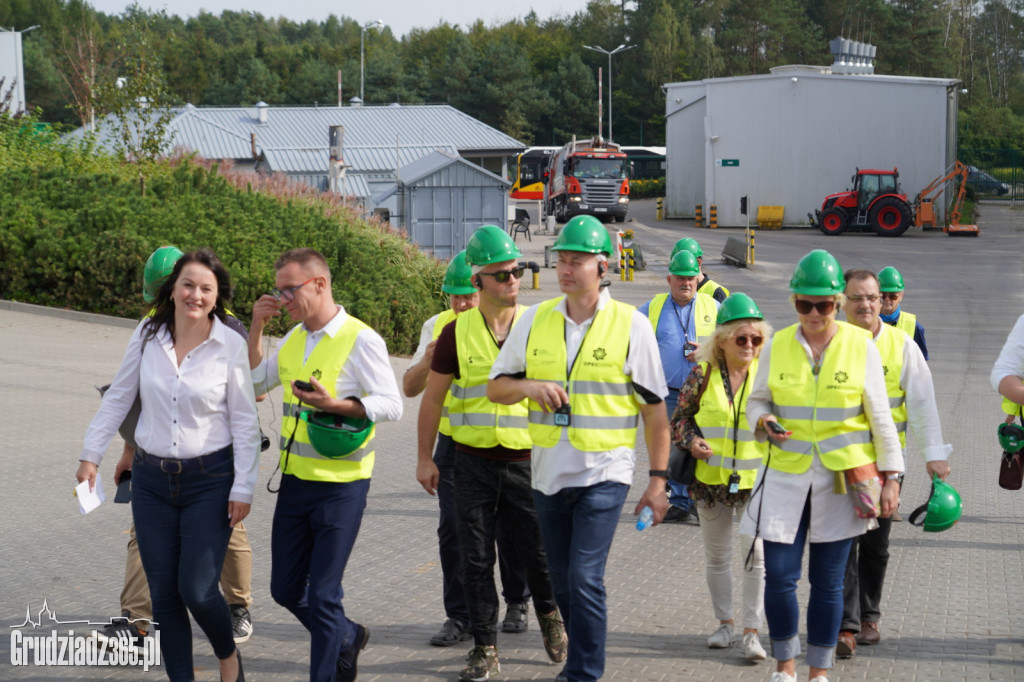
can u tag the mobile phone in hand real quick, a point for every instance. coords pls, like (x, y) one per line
(124, 488)
(303, 385)
(778, 428)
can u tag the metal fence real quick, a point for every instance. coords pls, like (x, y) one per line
(995, 173)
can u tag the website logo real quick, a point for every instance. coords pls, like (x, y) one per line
(88, 646)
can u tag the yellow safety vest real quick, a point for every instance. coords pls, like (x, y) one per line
(439, 324)
(890, 346)
(324, 363)
(704, 315)
(604, 409)
(709, 286)
(475, 420)
(907, 322)
(825, 413)
(734, 450)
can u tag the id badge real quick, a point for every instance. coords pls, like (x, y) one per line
(734, 483)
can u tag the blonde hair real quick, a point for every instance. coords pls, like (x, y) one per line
(712, 353)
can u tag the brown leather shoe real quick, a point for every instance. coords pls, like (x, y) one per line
(846, 644)
(868, 634)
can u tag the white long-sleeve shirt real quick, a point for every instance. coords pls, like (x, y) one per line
(778, 498)
(200, 407)
(1010, 362)
(366, 374)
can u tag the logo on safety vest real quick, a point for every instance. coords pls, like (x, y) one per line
(600, 354)
(885, 370)
(841, 377)
(316, 374)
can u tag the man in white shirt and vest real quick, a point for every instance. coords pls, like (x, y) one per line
(908, 382)
(322, 494)
(890, 284)
(463, 296)
(682, 320)
(588, 366)
(492, 460)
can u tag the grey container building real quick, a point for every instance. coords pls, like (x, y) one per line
(797, 134)
(441, 199)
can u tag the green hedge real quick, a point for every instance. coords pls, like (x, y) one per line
(76, 228)
(643, 189)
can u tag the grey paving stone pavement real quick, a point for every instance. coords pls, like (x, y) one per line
(953, 603)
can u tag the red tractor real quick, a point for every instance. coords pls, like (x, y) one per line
(876, 201)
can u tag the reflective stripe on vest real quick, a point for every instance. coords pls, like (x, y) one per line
(604, 411)
(715, 419)
(825, 413)
(709, 287)
(907, 322)
(440, 323)
(705, 314)
(475, 420)
(889, 343)
(324, 363)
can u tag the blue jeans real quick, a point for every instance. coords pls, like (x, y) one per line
(577, 525)
(826, 568)
(514, 588)
(181, 526)
(315, 527)
(679, 493)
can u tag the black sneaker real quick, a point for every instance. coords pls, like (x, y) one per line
(121, 633)
(451, 633)
(241, 623)
(515, 618)
(675, 515)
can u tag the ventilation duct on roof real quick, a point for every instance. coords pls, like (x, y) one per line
(851, 57)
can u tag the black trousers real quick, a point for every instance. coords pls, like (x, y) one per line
(865, 576)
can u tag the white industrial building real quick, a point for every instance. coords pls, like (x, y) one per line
(797, 134)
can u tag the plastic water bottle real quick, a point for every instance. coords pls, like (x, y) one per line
(646, 518)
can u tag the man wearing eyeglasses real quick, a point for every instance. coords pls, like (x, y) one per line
(682, 320)
(321, 500)
(908, 382)
(891, 289)
(492, 445)
(588, 366)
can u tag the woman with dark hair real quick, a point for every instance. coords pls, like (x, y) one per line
(196, 464)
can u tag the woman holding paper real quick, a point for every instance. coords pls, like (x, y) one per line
(820, 398)
(196, 464)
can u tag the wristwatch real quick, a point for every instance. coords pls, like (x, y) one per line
(892, 477)
(658, 472)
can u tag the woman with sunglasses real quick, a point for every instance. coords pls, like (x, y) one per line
(820, 398)
(710, 422)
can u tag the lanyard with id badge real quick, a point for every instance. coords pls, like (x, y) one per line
(734, 477)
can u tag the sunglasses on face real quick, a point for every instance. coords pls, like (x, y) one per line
(288, 293)
(743, 339)
(503, 276)
(823, 307)
(891, 295)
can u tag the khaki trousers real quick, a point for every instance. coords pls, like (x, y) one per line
(235, 576)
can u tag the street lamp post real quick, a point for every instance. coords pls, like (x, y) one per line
(620, 48)
(378, 24)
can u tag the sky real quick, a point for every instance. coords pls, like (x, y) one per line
(399, 15)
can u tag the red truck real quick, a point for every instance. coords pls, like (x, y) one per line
(587, 178)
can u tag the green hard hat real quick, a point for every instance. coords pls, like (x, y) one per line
(817, 274)
(684, 264)
(1011, 438)
(158, 269)
(458, 278)
(491, 244)
(584, 233)
(334, 436)
(738, 306)
(890, 279)
(942, 510)
(688, 243)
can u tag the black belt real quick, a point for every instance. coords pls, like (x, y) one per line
(171, 465)
(674, 389)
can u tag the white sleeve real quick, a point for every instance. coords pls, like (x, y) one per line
(643, 362)
(245, 426)
(759, 402)
(265, 377)
(370, 366)
(922, 412)
(886, 440)
(1010, 362)
(426, 336)
(512, 356)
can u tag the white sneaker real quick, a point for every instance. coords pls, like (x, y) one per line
(752, 649)
(782, 677)
(820, 678)
(722, 637)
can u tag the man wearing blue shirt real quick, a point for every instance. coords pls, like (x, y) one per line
(682, 320)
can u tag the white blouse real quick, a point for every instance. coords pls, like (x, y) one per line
(200, 407)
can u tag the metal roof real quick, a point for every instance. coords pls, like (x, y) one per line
(371, 133)
(431, 163)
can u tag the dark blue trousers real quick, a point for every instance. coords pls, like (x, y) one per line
(315, 528)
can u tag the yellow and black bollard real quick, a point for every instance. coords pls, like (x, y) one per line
(750, 256)
(627, 263)
(699, 215)
(713, 217)
(661, 209)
